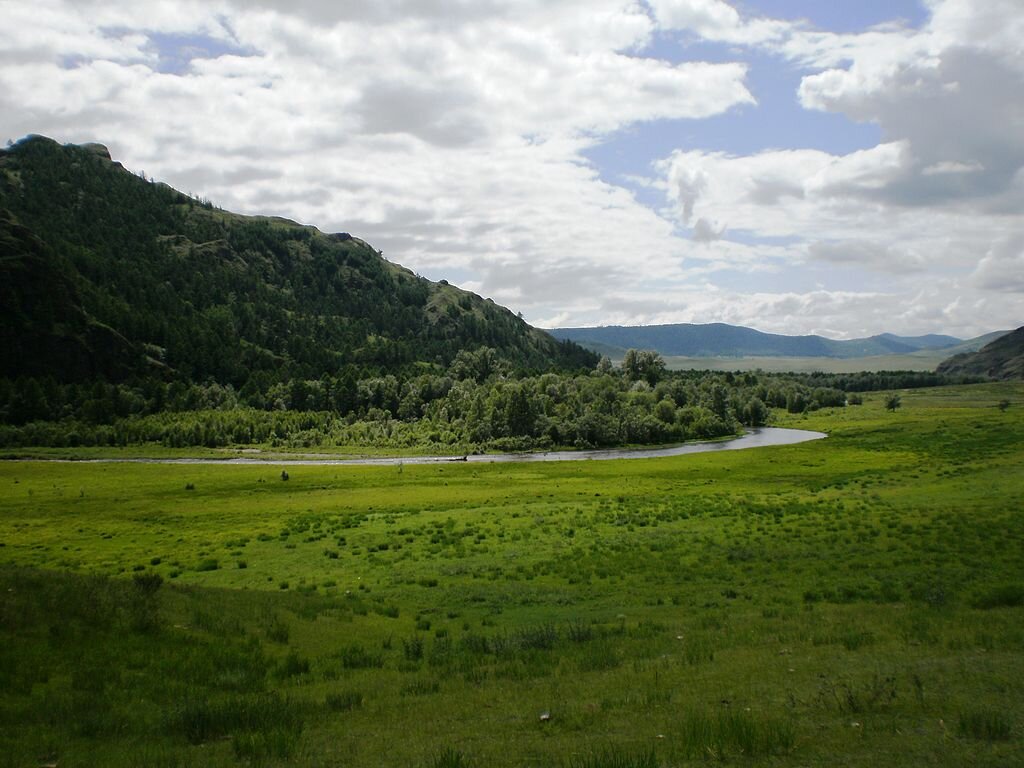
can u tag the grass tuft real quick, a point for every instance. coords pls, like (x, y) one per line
(732, 732)
(984, 725)
(615, 758)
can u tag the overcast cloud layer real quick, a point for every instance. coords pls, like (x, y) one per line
(453, 136)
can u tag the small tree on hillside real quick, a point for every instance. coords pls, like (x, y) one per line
(892, 403)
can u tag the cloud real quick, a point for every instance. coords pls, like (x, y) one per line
(716, 20)
(952, 94)
(453, 134)
(1002, 267)
(706, 232)
(866, 253)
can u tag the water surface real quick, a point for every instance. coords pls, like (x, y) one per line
(754, 438)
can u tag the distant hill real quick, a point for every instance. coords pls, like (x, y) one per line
(722, 340)
(1000, 359)
(106, 275)
(971, 345)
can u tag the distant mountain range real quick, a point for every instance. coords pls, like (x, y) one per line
(722, 340)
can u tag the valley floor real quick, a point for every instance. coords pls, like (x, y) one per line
(854, 601)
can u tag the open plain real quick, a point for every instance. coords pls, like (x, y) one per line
(852, 601)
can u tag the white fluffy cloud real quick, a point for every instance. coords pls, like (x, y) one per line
(451, 133)
(716, 20)
(938, 200)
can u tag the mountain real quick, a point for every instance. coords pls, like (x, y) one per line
(722, 340)
(930, 341)
(1000, 359)
(104, 274)
(971, 345)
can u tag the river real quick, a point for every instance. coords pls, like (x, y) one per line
(755, 438)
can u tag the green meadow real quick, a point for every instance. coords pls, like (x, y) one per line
(855, 601)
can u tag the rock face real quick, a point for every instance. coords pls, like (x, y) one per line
(98, 149)
(1002, 359)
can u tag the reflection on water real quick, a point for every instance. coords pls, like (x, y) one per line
(755, 438)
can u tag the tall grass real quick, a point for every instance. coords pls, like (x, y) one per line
(199, 719)
(730, 732)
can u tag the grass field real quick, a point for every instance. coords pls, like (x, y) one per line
(856, 601)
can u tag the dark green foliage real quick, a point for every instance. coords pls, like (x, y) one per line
(1004, 596)
(293, 665)
(355, 656)
(729, 732)
(451, 758)
(876, 694)
(643, 364)
(255, 746)
(984, 725)
(199, 719)
(142, 604)
(614, 758)
(110, 275)
(342, 701)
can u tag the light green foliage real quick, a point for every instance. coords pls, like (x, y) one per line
(851, 601)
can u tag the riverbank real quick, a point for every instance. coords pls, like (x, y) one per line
(760, 437)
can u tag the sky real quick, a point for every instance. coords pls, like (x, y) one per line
(796, 166)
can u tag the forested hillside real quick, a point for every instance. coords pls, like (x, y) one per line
(106, 275)
(1000, 359)
(133, 314)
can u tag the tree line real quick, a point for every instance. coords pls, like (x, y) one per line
(477, 402)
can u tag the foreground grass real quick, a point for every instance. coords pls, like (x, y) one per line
(856, 601)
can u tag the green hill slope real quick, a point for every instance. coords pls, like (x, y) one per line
(1000, 359)
(106, 274)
